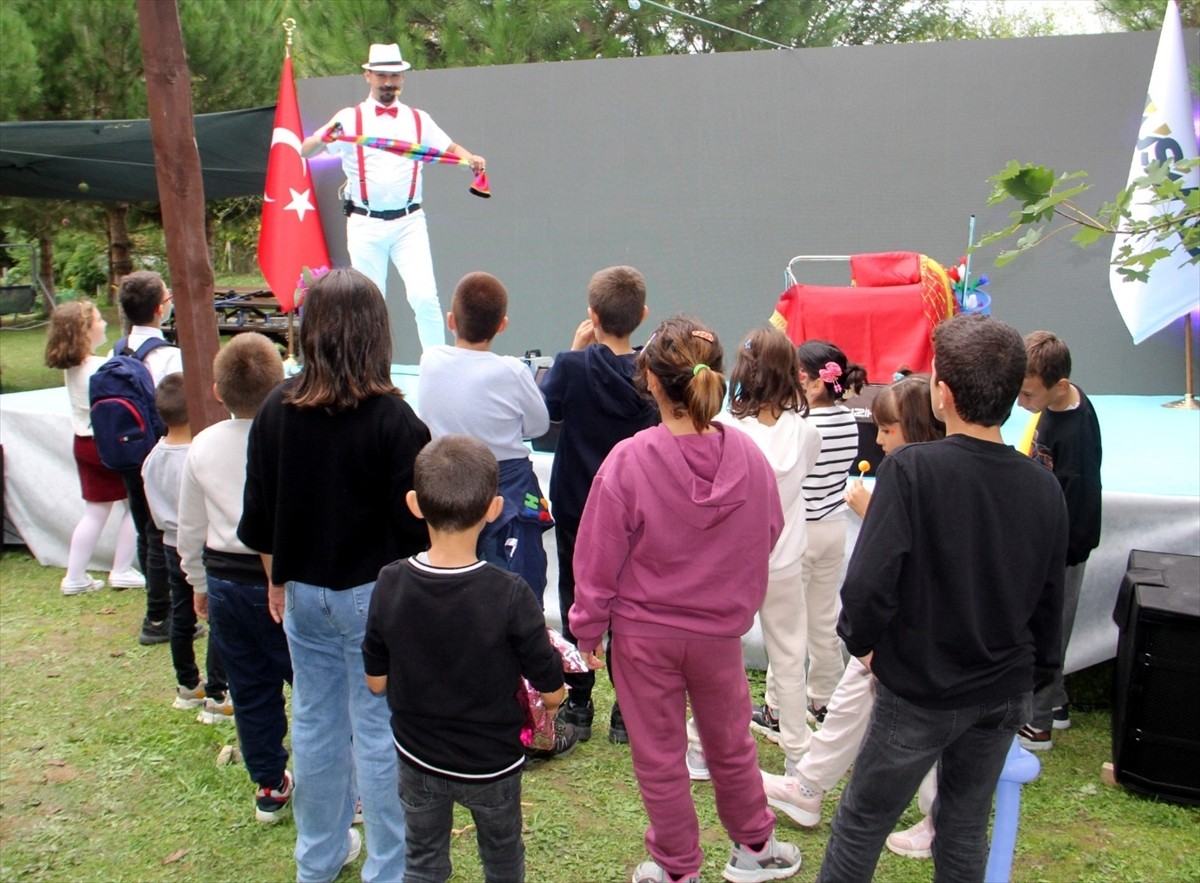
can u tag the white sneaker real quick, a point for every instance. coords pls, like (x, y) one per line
(81, 585)
(355, 847)
(915, 842)
(787, 795)
(215, 712)
(696, 765)
(194, 698)
(126, 579)
(775, 861)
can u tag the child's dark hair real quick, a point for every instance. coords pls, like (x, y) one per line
(906, 402)
(982, 360)
(245, 370)
(618, 295)
(479, 305)
(140, 294)
(1049, 358)
(69, 338)
(170, 398)
(766, 373)
(456, 478)
(687, 359)
(815, 356)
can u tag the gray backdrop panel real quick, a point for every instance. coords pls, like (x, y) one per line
(710, 172)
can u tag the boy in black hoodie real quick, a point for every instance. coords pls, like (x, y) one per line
(590, 391)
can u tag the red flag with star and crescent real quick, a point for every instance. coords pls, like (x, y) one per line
(291, 237)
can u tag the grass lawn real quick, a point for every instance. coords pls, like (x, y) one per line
(101, 780)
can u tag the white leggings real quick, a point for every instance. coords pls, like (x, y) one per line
(87, 533)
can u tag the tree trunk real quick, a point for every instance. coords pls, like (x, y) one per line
(181, 195)
(46, 267)
(120, 258)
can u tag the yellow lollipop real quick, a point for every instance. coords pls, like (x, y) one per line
(864, 467)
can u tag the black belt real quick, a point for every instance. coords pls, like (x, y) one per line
(388, 215)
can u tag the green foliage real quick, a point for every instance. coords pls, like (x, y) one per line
(1146, 15)
(20, 73)
(1172, 227)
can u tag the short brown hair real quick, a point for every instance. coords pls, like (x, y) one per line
(1049, 358)
(479, 305)
(982, 360)
(69, 338)
(170, 398)
(245, 370)
(906, 403)
(140, 294)
(456, 478)
(687, 359)
(618, 296)
(766, 374)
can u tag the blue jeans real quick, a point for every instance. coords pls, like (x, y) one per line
(903, 741)
(339, 730)
(429, 809)
(255, 653)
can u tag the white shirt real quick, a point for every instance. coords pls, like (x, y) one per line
(389, 177)
(164, 360)
(78, 381)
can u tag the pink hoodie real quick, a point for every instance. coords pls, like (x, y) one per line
(675, 538)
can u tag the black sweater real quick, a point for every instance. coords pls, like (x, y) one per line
(956, 580)
(325, 492)
(454, 643)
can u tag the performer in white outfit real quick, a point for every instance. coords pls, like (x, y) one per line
(382, 195)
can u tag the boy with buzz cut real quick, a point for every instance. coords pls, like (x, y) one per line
(455, 718)
(146, 303)
(590, 392)
(1066, 440)
(228, 579)
(161, 474)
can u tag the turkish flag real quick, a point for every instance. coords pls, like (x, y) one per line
(291, 236)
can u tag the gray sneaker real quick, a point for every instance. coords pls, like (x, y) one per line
(650, 872)
(775, 861)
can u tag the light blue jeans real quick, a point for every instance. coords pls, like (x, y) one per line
(340, 730)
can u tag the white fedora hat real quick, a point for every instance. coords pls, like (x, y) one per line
(385, 58)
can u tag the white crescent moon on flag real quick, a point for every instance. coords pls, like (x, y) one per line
(289, 138)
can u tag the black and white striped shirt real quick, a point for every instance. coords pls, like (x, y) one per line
(825, 486)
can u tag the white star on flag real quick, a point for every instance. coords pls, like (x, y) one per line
(300, 203)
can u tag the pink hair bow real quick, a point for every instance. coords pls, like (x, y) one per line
(830, 374)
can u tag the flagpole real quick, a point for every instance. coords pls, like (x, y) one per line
(1188, 402)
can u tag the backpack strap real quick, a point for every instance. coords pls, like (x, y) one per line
(147, 347)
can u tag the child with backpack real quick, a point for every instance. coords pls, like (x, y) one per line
(76, 329)
(119, 394)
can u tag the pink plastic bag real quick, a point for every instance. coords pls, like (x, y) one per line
(538, 732)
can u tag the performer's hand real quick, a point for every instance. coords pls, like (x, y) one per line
(276, 599)
(478, 164)
(331, 133)
(585, 335)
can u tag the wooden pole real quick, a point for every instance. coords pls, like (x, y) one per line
(1188, 402)
(181, 193)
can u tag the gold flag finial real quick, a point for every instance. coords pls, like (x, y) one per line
(289, 27)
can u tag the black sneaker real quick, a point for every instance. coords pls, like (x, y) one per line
(565, 741)
(155, 632)
(763, 720)
(1062, 717)
(616, 727)
(579, 715)
(817, 715)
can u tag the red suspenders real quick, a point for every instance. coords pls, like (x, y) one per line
(362, 169)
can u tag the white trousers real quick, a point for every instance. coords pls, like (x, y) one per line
(784, 621)
(373, 243)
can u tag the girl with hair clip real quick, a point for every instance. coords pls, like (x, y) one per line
(903, 415)
(672, 558)
(329, 461)
(767, 403)
(825, 376)
(76, 329)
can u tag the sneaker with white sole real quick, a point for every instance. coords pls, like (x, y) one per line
(273, 804)
(650, 872)
(355, 847)
(79, 586)
(815, 714)
(697, 767)
(765, 721)
(793, 798)
(216, 711)
(775, 861)
(1033, 739)
(126, 579)
(193, 698)
(914, 842)
(565, 741)
(1062, 717)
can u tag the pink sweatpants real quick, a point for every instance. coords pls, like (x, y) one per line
(655, 678)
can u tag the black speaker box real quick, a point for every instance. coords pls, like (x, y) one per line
(1156, 702)
(860, 407)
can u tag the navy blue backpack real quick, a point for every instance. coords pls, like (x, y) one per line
(125, 421)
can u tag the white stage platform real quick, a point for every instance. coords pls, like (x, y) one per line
(1151, 497)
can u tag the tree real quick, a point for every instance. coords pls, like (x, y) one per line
(1146, 15)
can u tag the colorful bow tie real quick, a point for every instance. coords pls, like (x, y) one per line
(385, 111)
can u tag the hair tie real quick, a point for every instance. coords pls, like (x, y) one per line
(700, 366)
(830, 374)
(704, 335)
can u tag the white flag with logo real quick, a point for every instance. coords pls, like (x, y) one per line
(1167, 132)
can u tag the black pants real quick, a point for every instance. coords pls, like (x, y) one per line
(565, 531)
(183, 634)
(151, 557)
